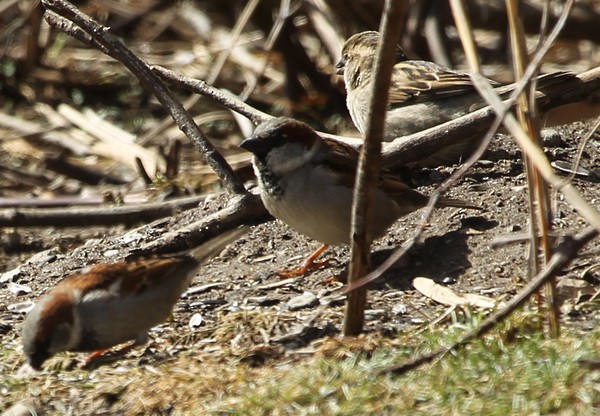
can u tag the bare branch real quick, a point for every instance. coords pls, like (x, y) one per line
(564, 253)
(113, 47)
(368, 166)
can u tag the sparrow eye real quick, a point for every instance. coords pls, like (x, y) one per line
(345, 57)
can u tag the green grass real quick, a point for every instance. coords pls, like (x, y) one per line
(512, 371)
(528, 375)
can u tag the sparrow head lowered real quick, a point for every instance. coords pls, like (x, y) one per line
(362, 47)
(55, 331)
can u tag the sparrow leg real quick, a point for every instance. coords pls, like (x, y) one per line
(140, 339)
(92, 357)
(309, 264)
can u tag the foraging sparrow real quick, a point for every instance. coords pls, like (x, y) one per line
(422, 94)
(108, 304)
(307, 182)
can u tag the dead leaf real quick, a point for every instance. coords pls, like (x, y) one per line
(447, 296)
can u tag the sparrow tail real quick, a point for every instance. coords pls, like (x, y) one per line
(215, 245)
(457, 203)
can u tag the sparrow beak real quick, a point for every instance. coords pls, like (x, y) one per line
(253, 145)
(340, 67)
(36, 362)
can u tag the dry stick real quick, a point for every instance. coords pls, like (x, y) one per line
(368, 166)
(223, 98)
(445, 134)
(244, 209)
(536, 154)
(75, 217)
(582, 145)
(539, 202)
(419, 145)
(465, 33)
(115, 48)
(563, 254)
(215, 70)
(283, 14)
(415, 146)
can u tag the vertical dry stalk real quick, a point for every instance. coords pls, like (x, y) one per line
(538, 190)
(368, 165)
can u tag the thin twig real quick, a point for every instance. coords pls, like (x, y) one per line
(223, 98)
(214, 72)
(539, 218)
(445, 134)
(535, 153)
(368, 166)
(581, 148)
(78, 216)
(417, 146)
(115, 48)
(282, 16)
(564, 253)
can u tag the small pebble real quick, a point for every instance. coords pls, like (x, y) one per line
(305, 300)
(485, 163)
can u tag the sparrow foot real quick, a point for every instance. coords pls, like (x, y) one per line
(309, 265)
(89, 360)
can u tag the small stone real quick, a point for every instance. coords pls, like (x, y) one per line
(400, 309)
(11, 275)
(17, 289)
(111, 253)
(44, 257)
(485, 163)
(196, 321)
(305, 300)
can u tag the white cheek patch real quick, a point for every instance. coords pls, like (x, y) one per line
(290, 157)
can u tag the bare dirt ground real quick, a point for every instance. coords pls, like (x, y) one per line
(239, 311)
(239, 320)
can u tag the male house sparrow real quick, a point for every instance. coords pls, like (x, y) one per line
(422, 94)
(307, 182)
(108, 304)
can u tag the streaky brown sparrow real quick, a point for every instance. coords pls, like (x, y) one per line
(109, 304)
(422, 94)
(307, 182)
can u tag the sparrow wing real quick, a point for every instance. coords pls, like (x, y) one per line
(420, 81)
(401, 192)
(340, 155)
(124, 277)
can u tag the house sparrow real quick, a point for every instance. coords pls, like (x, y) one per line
(108, 304)
(422, 94)
(307, 182)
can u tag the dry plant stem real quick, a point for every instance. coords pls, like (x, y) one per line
(215, 69)
(283, 14)
(416, 146)
(444, 134)
(115, 48)
(538, 193)
(465, 32)
(581, 148)
(536, 154)
(201, 87)
(563, 254)
(368, 167)
(240, 210)
(77, 217)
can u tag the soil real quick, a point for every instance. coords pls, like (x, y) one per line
(239, 308)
